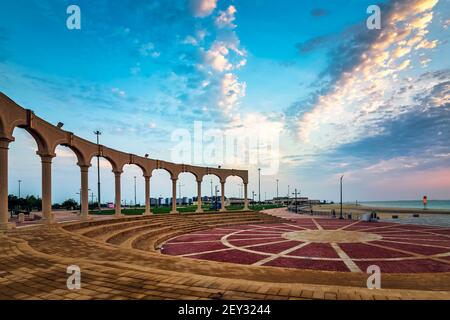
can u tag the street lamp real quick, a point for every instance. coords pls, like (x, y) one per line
(259, 185)
(215, 196)
(277, 188)
(211, 190)
(98, 133)
(19, 187)
(179, 192)
(341, 216)
(135, 191)
(295, 199)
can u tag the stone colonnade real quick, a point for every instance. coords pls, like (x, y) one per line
(48, 137)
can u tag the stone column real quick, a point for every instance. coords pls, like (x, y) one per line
(222, 196)
(118, 204)
(147, 196)
(199, 197)
(4, 213)
(174, 195)
(46, 161)
(84, 192)
(245, 197)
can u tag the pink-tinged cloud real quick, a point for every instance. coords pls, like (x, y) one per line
(367, 95)
(203, 8)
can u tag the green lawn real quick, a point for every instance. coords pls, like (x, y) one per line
(162, 210)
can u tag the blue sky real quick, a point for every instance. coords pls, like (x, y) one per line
(339, 98)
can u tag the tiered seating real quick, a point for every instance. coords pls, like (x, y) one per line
(148, 232)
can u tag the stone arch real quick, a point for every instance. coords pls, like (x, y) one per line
(188, 182)
(31, 161)
(64, 166)
(82, 161)
(42, 145)
(172, 175)
(114, 165)
(131, 170)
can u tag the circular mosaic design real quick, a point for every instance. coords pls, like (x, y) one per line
(329, 236)
(322, 244)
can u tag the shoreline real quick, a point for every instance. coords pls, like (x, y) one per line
(360, 208)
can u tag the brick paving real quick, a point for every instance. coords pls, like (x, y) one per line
(116, 263)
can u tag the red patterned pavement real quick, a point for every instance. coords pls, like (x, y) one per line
(322, 244)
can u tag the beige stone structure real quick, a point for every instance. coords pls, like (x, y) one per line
(48, 137)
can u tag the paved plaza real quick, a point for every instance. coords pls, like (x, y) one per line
(332, 245)
(120, 258)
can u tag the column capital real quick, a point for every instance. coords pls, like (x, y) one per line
(4, 142)
(84, 167)
(199, 180)
(117, 172)
(146, 176)
(46, 157)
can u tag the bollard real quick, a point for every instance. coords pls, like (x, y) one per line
(21, 218)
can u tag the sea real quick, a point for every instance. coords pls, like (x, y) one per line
(412, 204)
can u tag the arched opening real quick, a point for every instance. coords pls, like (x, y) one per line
(234, 192)
(24, 179)
(133, 190)
(66, 184)
(107, 190)
(187, 192)
(211, 191)
(160, 191)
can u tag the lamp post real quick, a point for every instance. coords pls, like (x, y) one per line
(179, 192)
(340, 215)
(259, 185)
(19, 187)
(135, 191)
(295, 199)
(211, 189)
(215, 197)
(277, 188)
(98, 133)
(289, 191)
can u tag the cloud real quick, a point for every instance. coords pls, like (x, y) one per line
(203, 8)
(216, 57)
(365, 79)
(225, 18)
(118, 92)
(148, 50)
(319, 12)
(231, 91)
(314, 43)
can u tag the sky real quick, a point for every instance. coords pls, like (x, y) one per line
(302, 89)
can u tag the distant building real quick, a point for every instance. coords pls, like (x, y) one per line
(235, 201)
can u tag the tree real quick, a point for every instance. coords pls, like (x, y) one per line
(28, 204)
(69, 204)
